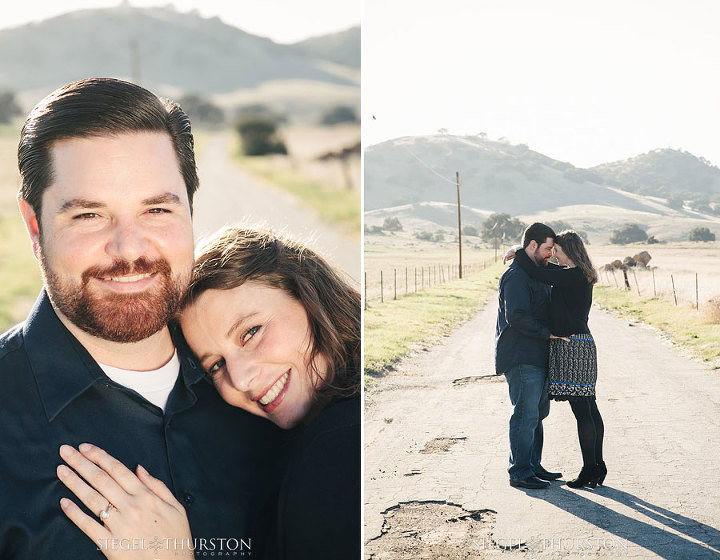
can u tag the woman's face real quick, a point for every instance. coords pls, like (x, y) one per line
(560, 255)
(254, 341)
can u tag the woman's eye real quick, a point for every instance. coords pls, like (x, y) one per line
(250, 333)
(217, 366)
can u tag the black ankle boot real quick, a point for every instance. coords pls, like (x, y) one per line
(588, 477)
(601, 471)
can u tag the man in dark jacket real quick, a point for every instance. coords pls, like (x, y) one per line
(521, 353)
(107, 182)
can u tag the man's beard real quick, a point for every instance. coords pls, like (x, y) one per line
(118, 317)
(539, 260)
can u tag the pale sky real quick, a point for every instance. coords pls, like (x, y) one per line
(284, 21)
(580, 81)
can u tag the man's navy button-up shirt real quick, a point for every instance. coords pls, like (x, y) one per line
(522, 330)
(217, 460)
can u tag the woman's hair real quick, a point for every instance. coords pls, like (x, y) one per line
(573, 246)
(237, 255)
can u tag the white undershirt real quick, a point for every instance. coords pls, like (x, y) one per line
(154, 385)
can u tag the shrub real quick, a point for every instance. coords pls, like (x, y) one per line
(201, 110)
(392, 224)
(629, 233)
(701, 234)
(259, 137)
(339, 114)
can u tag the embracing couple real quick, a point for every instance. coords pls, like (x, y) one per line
(154, 405)
(544, 347)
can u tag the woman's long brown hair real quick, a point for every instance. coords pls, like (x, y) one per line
(238, 255)
(573, 246)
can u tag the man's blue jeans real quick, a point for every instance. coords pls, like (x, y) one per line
(528, 394)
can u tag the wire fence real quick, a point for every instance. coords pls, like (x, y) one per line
(389, 283)
(683, 288)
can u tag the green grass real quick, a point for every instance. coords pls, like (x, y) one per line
(334, 205)
(394, 328)
(682, 324)
(20, 279)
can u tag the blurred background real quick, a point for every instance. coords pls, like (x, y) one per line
(272, 89)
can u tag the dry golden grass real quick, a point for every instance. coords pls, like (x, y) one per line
(671, 274)
(405, 260)
(711, 310)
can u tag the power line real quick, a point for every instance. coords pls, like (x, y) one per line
(428, 167)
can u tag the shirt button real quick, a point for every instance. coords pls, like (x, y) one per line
(188, 498)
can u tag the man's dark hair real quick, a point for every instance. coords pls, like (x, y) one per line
(536, 232)
(98, 107)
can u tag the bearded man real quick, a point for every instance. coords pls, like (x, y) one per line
(522, 335)
(108, 178)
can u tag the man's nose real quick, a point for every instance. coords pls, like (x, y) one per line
(127, 241)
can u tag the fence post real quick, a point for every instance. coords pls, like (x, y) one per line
(615, 278)
(636, 282)
(394, 283)
(382, 298)
(415, 269)
(673, 286)
(654, 291)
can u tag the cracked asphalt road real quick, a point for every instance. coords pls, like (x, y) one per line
(661, 498)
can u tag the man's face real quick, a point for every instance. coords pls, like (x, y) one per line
(542, 252)
(116, 247)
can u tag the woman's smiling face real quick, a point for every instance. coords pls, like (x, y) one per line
(255, 342)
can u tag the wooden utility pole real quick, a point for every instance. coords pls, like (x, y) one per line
(457, 179)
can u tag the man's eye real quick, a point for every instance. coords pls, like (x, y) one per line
(86, 216)
(250, 333)
(217, 366)
(158, 211)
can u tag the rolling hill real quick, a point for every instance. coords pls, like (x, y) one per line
(169, 52)
(413, 178)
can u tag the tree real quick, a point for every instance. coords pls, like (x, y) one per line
(392, 224)
(470, 230)
(560, 225)
(258, 110)
(200, 110)
(259, 137)
(629, 233)
(8, 106)
(338, 114)
(701, 234)
(502, 226)
(675, 201)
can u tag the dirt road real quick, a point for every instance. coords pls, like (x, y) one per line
(436, 456)
(228, 195)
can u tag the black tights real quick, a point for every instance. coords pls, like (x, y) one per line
(590, 429)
